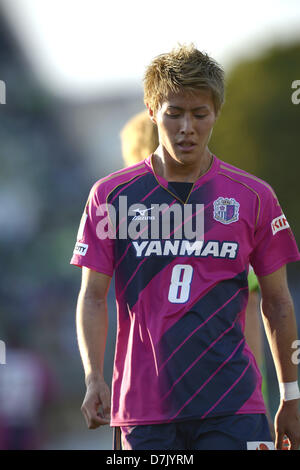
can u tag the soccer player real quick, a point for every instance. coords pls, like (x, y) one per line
(139, 139)
(178, 230)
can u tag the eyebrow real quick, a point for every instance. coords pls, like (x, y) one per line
(193, 109)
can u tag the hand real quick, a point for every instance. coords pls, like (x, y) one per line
(96, 404)
(287, 426)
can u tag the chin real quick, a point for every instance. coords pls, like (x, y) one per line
(186, 157)
(182, 157)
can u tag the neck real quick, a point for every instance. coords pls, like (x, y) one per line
(173, 170)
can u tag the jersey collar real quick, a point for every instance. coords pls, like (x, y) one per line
(200, 181)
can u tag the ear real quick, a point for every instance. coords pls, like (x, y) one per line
(151, 113)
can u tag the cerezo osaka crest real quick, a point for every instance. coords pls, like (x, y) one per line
(226, 210)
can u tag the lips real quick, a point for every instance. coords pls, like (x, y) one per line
(186, 145)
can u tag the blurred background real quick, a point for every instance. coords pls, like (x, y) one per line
(73, 77)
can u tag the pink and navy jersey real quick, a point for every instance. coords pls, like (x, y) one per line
(180, 347)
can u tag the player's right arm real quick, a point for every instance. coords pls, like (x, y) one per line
(91, 326)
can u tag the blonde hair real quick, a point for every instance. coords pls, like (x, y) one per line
(185, 67)
(139, 138)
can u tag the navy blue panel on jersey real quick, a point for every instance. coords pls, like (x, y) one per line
(131, 264)
(194, 350)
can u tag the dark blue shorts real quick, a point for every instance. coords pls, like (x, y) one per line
(234, 432)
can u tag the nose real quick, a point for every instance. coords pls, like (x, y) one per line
(187, 125)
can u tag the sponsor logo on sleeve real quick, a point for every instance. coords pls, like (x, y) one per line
(279, 223)
(80, 249)
(260, 445)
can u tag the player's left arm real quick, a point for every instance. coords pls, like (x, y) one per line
(281, 330)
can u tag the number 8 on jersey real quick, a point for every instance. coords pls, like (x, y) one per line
(179, 291)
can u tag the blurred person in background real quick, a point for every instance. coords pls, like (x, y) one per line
(184, 95)
(27, 389)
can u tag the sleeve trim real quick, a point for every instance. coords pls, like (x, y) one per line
(278, 265)
(94, 268)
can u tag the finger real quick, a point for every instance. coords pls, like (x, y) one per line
(103, 420)
(294, 444)
(105, 402)
(90, 415)
(104, 415)
(93, 421)
(90, 422)
(98, 421)
(106, 409)
(94, 416)
(279, 440)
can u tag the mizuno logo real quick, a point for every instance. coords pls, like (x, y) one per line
(142, 211)
(140, 214)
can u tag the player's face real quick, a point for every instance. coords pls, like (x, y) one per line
(185, 122)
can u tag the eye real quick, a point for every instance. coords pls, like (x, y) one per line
(200, 116)
(173, 112)
(173, 115)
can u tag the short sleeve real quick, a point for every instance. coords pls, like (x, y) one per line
(274, 242)
(94, 248)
